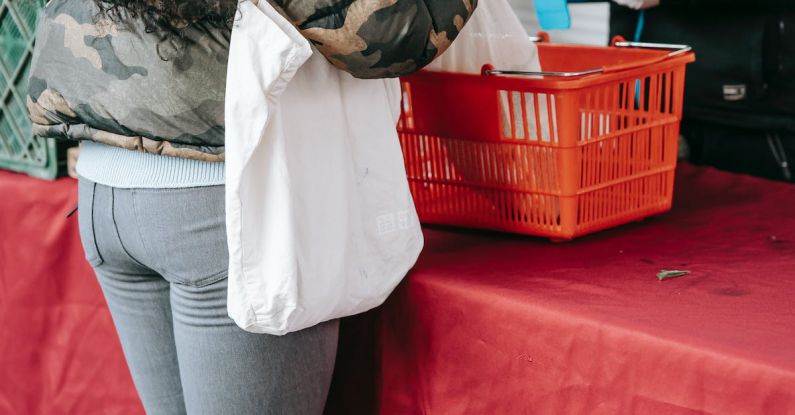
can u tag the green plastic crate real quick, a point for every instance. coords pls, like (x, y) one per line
(19, 149)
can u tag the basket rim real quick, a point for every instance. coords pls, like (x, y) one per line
(552, 84)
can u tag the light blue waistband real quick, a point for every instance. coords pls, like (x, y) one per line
(118, 167)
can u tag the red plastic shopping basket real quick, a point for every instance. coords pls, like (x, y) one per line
(590, 143)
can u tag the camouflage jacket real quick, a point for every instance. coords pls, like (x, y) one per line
(124, 85)
(379, 38)
(119, 84)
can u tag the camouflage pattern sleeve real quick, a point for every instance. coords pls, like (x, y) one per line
(379, 38)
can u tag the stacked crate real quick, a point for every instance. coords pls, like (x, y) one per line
(19, 149)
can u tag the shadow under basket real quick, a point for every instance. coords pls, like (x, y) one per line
(588, 145)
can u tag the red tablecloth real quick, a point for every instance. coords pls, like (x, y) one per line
(59, 353)
(486, 324)
(496, 324)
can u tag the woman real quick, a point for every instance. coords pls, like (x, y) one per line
(149, 76)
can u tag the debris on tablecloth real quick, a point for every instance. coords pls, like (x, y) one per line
(668, 274)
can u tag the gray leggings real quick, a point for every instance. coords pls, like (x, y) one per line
(160, 257)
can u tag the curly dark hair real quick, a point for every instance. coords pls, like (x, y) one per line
(170, 18)
(174, 13)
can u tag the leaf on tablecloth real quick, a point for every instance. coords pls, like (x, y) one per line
(668, 274)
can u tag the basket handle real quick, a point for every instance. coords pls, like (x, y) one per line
(676, 50)
(618, 42)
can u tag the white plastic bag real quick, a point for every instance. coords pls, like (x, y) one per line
(320, 220)
(493, 35)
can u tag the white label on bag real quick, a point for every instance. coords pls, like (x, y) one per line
(391, 222)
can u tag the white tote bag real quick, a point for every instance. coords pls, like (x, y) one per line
(320, 220)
